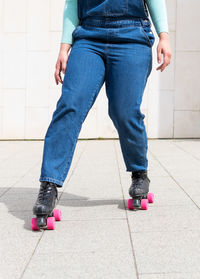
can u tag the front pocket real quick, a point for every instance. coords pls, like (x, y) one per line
(150, 38)
(108, 7)
(115, 7)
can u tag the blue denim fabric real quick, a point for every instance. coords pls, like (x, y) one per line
(119, 53)
(112, 8)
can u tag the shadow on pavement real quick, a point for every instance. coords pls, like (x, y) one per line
(20, 201)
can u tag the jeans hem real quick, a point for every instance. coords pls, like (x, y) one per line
(132, 170)
(49, 179)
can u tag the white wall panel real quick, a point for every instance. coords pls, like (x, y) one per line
(30, 34)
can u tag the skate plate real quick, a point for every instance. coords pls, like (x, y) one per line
(46, 221)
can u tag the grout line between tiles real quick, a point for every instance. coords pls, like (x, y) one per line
(130, 237)
(26, 266)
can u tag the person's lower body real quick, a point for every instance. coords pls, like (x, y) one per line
(120, 55)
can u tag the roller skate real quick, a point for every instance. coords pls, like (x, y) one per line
(43, 208)
(139, 191)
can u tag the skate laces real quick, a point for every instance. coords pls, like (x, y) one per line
(138, 178)
(139, 174)
(45, 193)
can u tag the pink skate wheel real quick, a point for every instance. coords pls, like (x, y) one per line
(150, 197)
(34, 224)
(51, 223)
(144, 204)
(130, 204)
(57, 214)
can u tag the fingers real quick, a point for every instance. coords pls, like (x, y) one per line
(159, 54)
(167, 57)
(64, 63)
(57, 73)
(61, 66)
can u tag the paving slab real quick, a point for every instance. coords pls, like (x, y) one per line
(166, 218)
(86, 235)
(95, 264)
(189, 275)
(16, 246)
(98, 236)
(167, 252)
(92, 209)
(167, 192)
(191, 146)
(95, 186)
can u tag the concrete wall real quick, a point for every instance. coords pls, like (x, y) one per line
(30, 34)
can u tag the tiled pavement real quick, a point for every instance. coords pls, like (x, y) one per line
(98, 237)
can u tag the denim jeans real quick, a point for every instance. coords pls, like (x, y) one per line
(119, 53)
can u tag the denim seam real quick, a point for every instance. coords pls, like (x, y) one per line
(70, 155)
(146, 147)
(144, 139)
(144, 8)
(118, 25)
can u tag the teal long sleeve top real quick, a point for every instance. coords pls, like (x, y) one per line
(157, 10)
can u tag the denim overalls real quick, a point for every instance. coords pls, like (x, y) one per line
(112, 44)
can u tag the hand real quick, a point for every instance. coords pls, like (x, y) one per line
(62, 62)
(165, 49)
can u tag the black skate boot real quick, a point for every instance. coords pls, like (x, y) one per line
(43, 208)
(139, 191)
